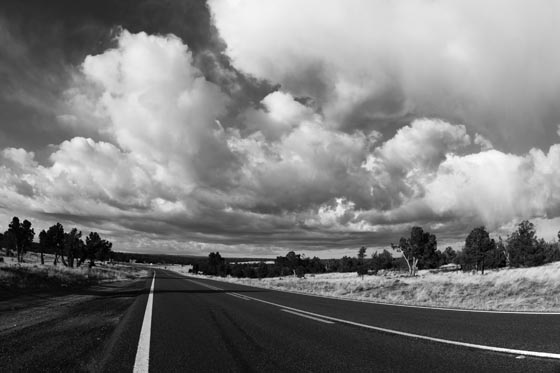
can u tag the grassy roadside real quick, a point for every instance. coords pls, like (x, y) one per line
(31, 275)
(522, 289)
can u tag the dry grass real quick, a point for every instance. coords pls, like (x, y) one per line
(523, 289)
(32, 275)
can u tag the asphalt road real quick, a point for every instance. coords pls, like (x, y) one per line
(209, 326)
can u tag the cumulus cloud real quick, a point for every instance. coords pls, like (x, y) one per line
(376, 63)
(308, 165)
(159, 113)
(483, 142)
(159, 105)
(494, 187)
(175, 167)
(403, 164)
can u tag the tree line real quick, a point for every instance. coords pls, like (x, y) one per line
(522, 248)
(69, 248)
(291, 264)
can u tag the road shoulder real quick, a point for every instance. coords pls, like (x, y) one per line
(63, 330)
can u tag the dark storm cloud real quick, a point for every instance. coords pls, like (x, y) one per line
(43, 43)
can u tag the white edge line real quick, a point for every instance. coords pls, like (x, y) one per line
(544, 313)
(307, 316)
(411, 335)
(142, 361)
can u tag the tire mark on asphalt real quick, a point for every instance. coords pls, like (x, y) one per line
(242, 364)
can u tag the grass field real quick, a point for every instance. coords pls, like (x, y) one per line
(32, 275)
(522, 289)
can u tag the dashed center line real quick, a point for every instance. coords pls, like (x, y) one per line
(307, 316)
(238, 296)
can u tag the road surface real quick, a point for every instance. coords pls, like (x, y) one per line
(209, 326)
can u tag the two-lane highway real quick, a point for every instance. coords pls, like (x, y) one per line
(209, 326)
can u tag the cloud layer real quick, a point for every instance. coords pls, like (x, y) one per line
(385, 117)
(378, 64)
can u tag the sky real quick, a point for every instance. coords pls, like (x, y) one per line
(257, 127)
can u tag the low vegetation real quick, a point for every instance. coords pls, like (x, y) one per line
(417, 252)
(60, 259)
(520, 289)
(521, 272)
(31, 275)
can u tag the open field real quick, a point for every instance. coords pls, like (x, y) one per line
(31, 275)
(522, 289)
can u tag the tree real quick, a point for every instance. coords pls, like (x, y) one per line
(362, 270)
(215, 264)
(299, 272)
(552, 252)
(293, 260)
(448, 255)
(10, 243)
(73, 246)
(418, 250)
(262, 270)
(524, 247)
(348, 264)
(383, 260)
(22, 234)
(96, 248)
(502, 248)
(55, 240)
(43, 245)
(361, 254)
(362, 267)
(477, 246)
(289, 263)
(315, 265)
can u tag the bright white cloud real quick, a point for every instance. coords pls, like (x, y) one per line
(160, 107)
(494, 187)
(405, 163)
